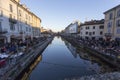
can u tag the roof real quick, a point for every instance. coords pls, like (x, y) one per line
(93, 22)
(112, 9)
(25, 8)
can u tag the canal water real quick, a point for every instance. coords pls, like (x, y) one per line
(61, 60)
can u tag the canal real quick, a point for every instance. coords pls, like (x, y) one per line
(61, 60)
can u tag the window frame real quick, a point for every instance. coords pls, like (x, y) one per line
(118, 13)
(11, 7)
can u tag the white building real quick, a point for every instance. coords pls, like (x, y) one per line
(72, 29)
(16, 21)
(92, 29)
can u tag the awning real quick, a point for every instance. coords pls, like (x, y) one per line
(16, 37)
(2, 37)
(118, 39)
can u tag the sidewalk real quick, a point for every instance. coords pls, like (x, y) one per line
(15, 59)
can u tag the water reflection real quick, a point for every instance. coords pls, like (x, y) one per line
(62, 60)
(30, 68)
(95, 64)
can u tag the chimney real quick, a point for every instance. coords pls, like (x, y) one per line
(17, 1)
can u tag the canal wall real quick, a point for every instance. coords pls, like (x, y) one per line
(113, 61)
(110, 60)
(106, 76)
(25, 61)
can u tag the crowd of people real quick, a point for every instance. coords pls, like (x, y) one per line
(108, 47)
(19, 46)
(105, 46)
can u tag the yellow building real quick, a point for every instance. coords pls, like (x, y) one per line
(17, 21)
(112, 23)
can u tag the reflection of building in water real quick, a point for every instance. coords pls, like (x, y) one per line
(95, 64)
(72, 49)
(30, 68)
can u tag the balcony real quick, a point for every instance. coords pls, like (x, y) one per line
(108, 34)
(21, 32)
(3, 31)
(12, 20)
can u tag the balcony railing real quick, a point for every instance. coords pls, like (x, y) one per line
(12, 20)
(3, 31)
(21, 32)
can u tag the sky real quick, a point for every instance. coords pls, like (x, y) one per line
(58, 14)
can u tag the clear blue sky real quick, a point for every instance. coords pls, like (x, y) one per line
(57, 14)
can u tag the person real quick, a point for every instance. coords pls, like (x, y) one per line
(3, 49)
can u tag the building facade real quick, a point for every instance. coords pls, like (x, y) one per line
(17, 21)
(72, 29)
(112, 23)
(92, 29)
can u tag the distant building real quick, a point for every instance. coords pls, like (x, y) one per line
(17, 21)
(92, 29)
(46, 32)
(112, 23)
(72, 29)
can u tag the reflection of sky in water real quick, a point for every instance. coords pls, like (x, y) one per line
(58, 62)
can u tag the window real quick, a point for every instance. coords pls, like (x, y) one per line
(118, 13)
(1, 13)
(20, 27)
(10, 16)
(29, 29)
(101, 33)
(88, 27)
(86, 33)
(109, 24)
(101, 27)
(26, 28)
(81, 28)
(26, 22)
(12, 27)
(14, 17)
(93, 33)
(110, 16)
(118, 31)
(20, 13)
(11, 9)
(0, 26)
(29, 18)
(81, 33)
(90, 33)
(26, 16)
(93, 27)
(118, 23)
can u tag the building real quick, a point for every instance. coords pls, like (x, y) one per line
(112, 23)
(66, 31)
(72, 29)
(17, 21)
(46, 32)
(92, 29)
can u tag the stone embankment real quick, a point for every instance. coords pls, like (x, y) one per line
(24, 61)
(106, 76)
(109, 59)
(112, 60)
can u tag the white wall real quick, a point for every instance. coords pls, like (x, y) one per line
(97, 31)
(73, 28)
